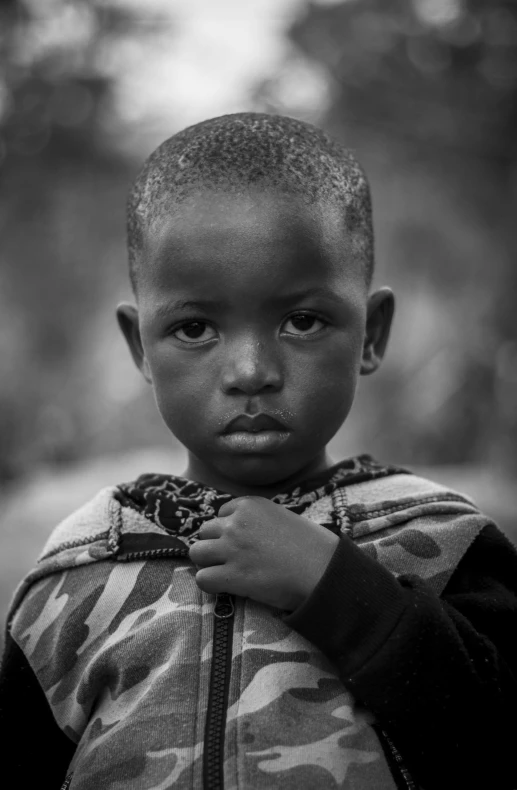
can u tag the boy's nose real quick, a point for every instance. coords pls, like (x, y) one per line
(251, 368)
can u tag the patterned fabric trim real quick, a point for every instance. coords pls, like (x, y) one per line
(180, 506)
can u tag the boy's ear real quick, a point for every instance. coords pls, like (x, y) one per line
(380, 309)
(127, 317)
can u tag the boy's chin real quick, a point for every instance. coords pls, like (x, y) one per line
(268, 472)
(255, 474)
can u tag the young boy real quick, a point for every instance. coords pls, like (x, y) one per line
(271, 619)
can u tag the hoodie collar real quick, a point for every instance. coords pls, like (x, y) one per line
(180, 506)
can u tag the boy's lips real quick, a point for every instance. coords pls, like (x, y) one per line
(254, 434)
(247, 423)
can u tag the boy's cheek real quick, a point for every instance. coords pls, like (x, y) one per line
(332, 384)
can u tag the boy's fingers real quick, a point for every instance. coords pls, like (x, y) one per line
(211, 529)
(207, 552)
(213, 580)
(230, 507)
(241, 502)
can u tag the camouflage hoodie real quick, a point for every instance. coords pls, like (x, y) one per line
(163, 686)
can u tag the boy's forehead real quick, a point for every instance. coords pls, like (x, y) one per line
(215, 233)
(237, 216)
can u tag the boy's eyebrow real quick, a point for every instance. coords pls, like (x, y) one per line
(163, 310)
(326, 293)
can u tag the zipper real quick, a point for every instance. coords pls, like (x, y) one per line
(213, 753)
(400, 773)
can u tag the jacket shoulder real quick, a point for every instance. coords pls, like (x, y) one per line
(101, 522)
(92, 533)
(398, 490)
(88, 524)
(412, 525)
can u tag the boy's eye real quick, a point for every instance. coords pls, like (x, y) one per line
(195, 332)
(303, 324)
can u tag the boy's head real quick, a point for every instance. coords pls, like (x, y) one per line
(251, 255)
(236, 153)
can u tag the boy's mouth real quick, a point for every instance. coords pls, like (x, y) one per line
(256, 423)
(252, 434)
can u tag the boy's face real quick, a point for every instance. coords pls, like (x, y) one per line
(253, 306)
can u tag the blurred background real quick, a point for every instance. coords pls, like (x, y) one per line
(425, 92)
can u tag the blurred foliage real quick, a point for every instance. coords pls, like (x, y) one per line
(63, 176)
(426, 92)
(440, 72)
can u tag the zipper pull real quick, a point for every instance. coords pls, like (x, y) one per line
(224, 607)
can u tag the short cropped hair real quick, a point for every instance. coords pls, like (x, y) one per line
(243, 150)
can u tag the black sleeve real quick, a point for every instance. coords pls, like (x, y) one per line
(36, 752)
(439, 673)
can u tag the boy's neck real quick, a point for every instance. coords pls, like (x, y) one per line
(201, 473)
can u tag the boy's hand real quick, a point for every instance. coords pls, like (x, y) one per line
(261, 550)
